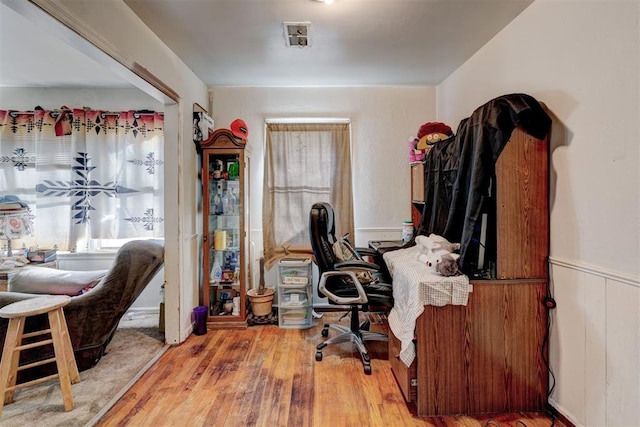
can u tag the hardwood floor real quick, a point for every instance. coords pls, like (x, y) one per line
(267, 376)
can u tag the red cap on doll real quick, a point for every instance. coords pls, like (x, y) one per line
(434, 127)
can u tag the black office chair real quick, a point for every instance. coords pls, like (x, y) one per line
(338, 282)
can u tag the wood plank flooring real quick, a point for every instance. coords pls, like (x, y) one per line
(267, 376)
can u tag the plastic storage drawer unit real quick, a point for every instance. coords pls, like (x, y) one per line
(295, 299)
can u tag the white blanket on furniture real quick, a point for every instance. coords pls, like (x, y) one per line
(414, 286)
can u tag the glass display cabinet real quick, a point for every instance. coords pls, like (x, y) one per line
(224, 248)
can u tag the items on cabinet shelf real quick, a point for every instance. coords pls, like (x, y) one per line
(417, 192)
(295, 298)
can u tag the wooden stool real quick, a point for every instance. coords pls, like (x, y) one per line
(64, 358)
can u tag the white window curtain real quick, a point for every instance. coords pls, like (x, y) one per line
(305, 163)
(85, 174)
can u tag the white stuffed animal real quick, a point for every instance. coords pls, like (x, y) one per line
(434, 242)
(436, 252)
(444, 263)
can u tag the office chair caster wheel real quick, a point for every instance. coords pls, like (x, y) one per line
(325, 332)
(366, 361)
(318, 356)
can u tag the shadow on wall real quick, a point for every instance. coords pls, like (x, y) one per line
(561, 138)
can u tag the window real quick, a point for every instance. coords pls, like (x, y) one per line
(85, 174)
(305, 163)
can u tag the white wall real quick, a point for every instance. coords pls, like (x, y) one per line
(582, 60)
(382, 120)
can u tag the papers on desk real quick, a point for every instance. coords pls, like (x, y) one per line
(414, 286)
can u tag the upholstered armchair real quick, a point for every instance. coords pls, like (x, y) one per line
(93, 316)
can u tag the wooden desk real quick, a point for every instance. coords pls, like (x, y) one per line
(381, 246)
(6, 275)
(486, 357)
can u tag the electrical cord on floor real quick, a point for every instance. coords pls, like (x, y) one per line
(550, 304)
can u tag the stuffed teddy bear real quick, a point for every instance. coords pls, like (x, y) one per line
(437, 253)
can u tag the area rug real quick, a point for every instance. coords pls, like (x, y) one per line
(130, 353)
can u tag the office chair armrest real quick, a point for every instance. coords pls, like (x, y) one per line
(362, 296)
(355, 264)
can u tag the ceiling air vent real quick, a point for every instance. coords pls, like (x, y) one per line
(297, 34)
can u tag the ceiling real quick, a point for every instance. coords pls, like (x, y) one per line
(242, 42)
(32, 57)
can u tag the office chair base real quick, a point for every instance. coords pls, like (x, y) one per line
(357, 338)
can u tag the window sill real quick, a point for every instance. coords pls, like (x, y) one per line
(88, 255)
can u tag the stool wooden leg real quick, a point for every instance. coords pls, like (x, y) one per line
(57, 335)
(10, 360)
(68, 347)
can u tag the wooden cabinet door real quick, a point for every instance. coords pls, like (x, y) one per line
(417, 182)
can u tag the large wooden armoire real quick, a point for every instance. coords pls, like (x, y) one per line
(490, 356)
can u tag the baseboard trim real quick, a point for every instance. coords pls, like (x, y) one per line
(560, 416)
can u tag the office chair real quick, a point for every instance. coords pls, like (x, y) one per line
(339, 283)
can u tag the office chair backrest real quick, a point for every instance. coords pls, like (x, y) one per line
(322, 232)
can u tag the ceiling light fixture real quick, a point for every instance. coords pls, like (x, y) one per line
(325, 1)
